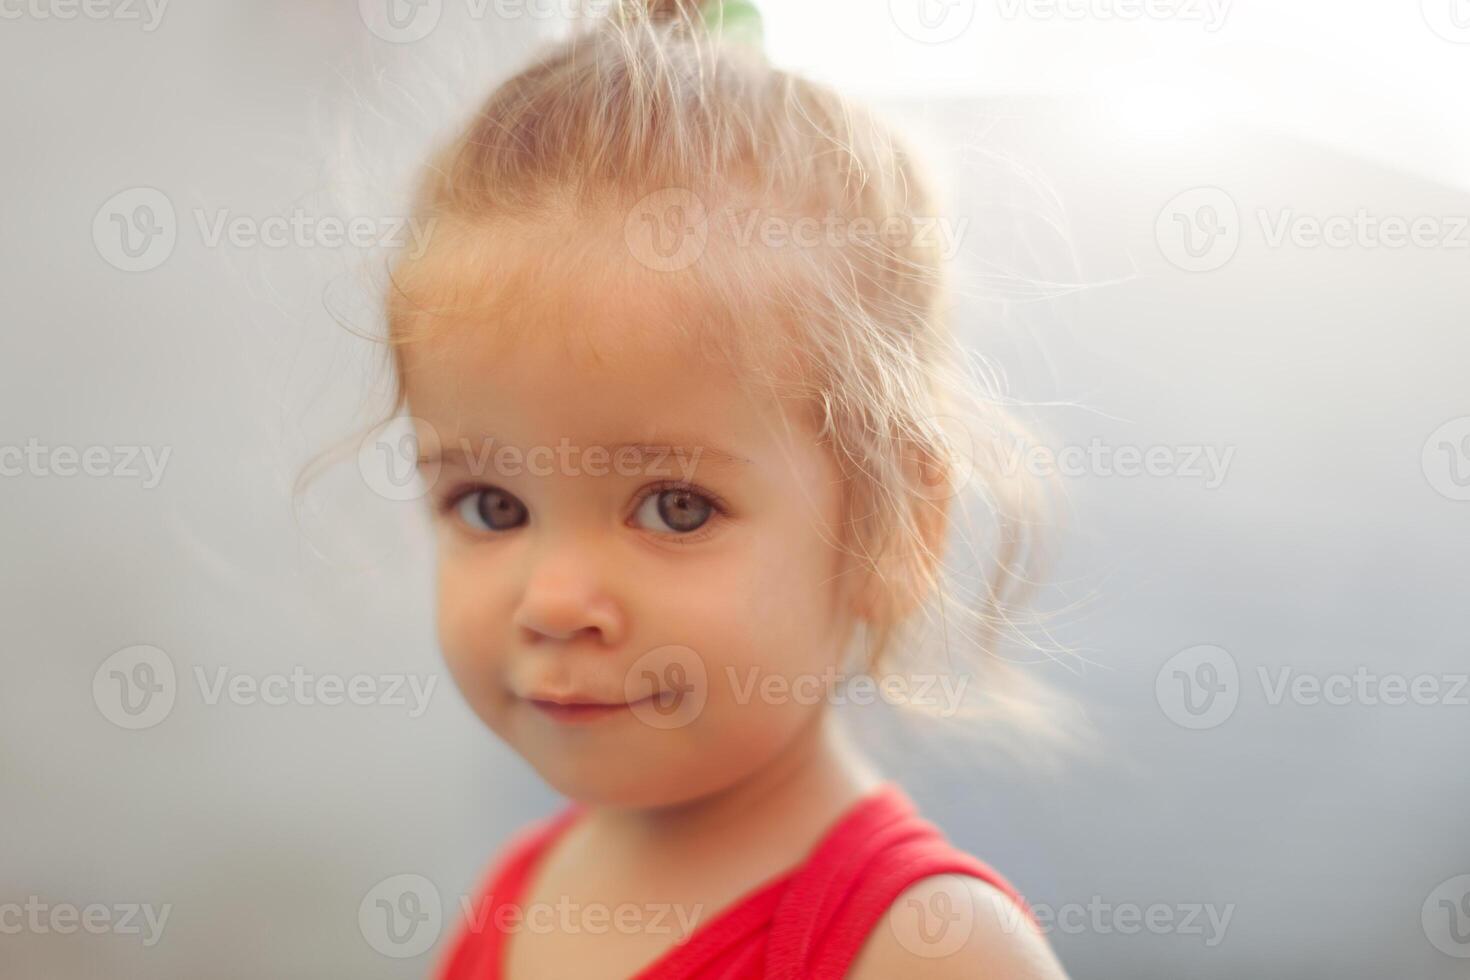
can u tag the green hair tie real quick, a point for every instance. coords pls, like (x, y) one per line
(736, 19)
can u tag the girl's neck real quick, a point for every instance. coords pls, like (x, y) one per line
(802, 791)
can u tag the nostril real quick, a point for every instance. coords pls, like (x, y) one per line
(567, 612)
(543, 633)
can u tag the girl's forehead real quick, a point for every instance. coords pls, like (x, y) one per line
(485, 286)
(612, 378)
(532, 320)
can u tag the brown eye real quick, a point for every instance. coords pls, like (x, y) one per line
(675, 511)
(490, 509)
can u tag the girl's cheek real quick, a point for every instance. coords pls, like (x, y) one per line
(462, 606)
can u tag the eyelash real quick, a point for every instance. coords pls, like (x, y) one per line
(721, 510)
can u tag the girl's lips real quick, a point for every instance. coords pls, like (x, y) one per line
(574, 713)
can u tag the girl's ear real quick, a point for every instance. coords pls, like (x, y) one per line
(893, 589)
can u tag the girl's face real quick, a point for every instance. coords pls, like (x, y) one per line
(580, 563)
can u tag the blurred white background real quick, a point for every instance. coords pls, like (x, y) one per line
(1264, 202)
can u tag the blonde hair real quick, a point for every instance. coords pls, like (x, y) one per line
(648, 100)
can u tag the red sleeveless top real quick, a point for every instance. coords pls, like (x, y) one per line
(807, 922)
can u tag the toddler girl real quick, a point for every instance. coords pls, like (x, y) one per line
(677, 362)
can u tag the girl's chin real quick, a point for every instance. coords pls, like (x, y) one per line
(630, 781)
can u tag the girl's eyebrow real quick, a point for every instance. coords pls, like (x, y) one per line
(463, 454)
(696, 451)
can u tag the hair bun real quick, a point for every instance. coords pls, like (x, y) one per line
(669, 11)
(736, 21)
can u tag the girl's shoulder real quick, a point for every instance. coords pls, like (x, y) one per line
(956, 927)
(886, 894)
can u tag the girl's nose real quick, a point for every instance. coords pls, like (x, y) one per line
(564, 599)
